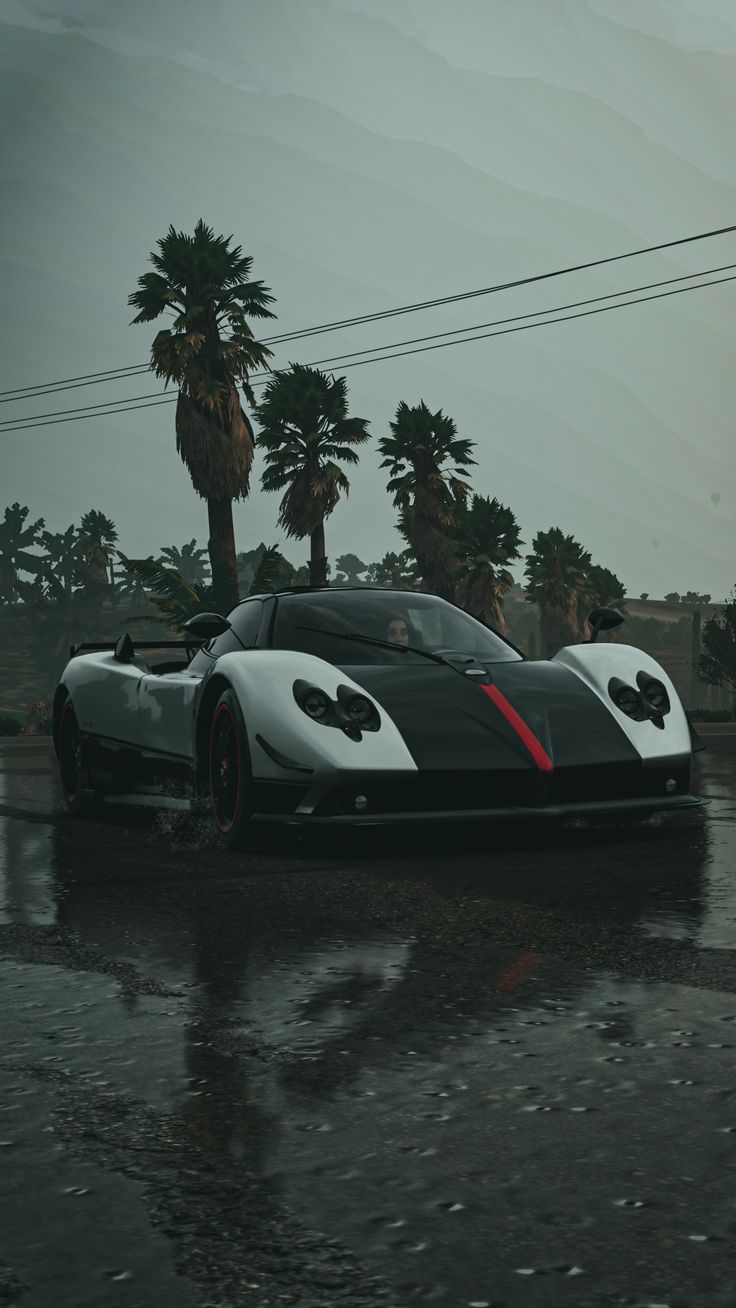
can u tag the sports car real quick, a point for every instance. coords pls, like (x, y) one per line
(321, 705)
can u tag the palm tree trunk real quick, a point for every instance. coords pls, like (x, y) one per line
(495, 616)
(221, 547)
(559, 626)
(317, 556)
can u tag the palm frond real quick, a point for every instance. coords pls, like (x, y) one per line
(266, 577)
(175, 599)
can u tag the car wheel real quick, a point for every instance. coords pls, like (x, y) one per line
(231, 780)
(71, 762)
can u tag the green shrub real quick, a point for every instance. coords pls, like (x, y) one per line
(10, 726)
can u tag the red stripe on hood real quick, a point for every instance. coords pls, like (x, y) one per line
(543, 762)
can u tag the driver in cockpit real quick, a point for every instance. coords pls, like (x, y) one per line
(397, 631)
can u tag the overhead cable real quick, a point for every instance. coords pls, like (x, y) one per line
(110, 374)
(113, 406)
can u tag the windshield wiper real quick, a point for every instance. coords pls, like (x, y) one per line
(384, 644)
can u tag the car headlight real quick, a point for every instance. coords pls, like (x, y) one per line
(315, 703)
(627, 700)
(655, 693)
(360, 710)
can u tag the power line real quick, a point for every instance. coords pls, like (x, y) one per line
(500, 286)
(130, 408)
(395, 345)
(507, 331)
(87, 408)
(380, 358)
(129, 370)
(519, 317)
(33, 394)
(107, 374)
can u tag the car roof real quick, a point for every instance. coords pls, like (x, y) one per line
(334, 590)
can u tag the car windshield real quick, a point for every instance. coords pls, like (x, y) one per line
(404, 625)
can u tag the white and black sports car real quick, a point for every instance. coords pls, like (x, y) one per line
(330, 706)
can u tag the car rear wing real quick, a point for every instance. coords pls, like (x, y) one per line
(86, 647)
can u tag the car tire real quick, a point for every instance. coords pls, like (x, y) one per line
(230, 774)
(72, 771)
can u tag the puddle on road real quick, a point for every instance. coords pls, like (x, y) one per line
(704, 912)
(542, 1121)
(585, 1123)
(73, 1234)
(28, 890)
(93, 1029)
(440, 1111)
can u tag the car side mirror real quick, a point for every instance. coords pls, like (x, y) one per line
(603, 620)
(205, 626)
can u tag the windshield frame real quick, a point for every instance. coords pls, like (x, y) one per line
(281, 596)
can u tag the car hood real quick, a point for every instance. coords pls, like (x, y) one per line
(448, 721)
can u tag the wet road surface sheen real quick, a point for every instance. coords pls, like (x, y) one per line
(489, 1068)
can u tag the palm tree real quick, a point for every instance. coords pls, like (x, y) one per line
(269, 572)
(178, 600)
(97, 537)
(557, 570)
(207, 351)
(131, 585)
(175, 599)
(426, 458)
(397, 570)
(251, 564)
(487, 538)
(602, 589)
(350, 570)
(15, 539)
(187, 561)
(305, 429)
(63, 560)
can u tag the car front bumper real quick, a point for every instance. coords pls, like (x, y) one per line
(520, 812)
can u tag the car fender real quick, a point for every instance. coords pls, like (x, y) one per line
(595, 664)
(280, 733)
(104, 693)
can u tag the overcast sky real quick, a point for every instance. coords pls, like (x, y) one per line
(368, 154)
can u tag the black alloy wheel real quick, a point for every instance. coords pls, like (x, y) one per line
(230, 773)
(71, 762)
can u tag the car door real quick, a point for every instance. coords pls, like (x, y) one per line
(166, 713)
(166, 703)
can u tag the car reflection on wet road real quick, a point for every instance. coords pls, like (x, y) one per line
(488, 1068)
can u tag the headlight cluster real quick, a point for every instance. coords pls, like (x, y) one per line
(628, 701)
(648, 699)
(654, 692)
(351, 712)
(315, 704)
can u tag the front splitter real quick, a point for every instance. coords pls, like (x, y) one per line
(544, 812)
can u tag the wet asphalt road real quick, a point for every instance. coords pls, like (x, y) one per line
(490, 1068)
